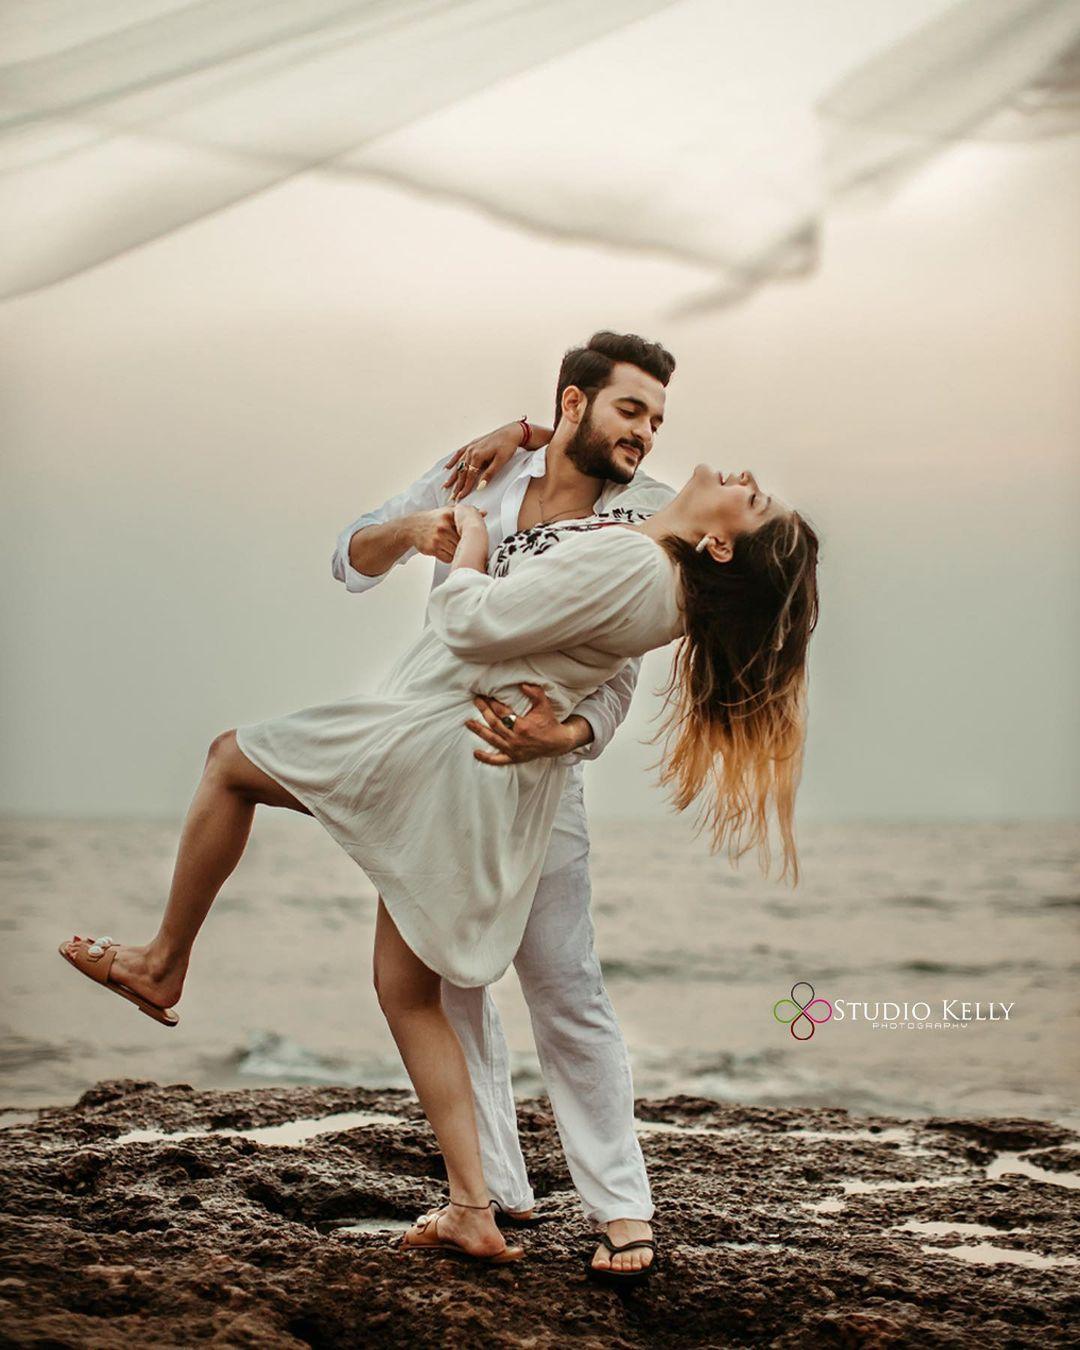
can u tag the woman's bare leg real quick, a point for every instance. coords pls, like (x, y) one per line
(212, 842)
(409, 994)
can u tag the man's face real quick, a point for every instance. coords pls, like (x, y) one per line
(617, 431)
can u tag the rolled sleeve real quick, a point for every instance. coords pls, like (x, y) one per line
(344, 571)
(605, 711)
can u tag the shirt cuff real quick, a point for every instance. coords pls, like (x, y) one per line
(359, 581)
(591, 750)
(343, 570)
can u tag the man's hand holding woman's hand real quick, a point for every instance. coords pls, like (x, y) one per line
(472, 549)
(439, 533)
(434, 533)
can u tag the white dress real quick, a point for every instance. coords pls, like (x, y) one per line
(454, 846)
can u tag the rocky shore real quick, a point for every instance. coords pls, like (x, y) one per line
(158, 1216)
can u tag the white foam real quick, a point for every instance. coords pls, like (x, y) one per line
(1015, 1163)
(834, 1205)
(986, 1254)
(940, 1227)
(289, 1134)
(665, 1127)
(9, 1118)
(896, 1134)
(854, 1186)
(375, 1225)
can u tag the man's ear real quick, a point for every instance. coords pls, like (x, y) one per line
(574, 402)
(719, 548)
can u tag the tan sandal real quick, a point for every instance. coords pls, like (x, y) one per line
(95, 959)
(430, 1240)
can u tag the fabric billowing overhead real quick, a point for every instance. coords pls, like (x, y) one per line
(124, 120)
(717, 131)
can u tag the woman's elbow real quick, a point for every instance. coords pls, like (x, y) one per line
(468, 648)
(468, 641)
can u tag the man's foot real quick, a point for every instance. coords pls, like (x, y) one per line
(620, 1231)
(515, 1215)
(140, 970)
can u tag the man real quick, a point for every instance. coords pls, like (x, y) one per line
(609, 406)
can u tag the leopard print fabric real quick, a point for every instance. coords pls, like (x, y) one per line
(539, 538)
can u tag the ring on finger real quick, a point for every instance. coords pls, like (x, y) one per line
(509, 720)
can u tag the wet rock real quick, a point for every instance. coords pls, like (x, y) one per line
(1005, 1133)
(779, 1227)
(1057, 1159)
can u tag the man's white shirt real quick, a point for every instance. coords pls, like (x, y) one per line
(501, 499)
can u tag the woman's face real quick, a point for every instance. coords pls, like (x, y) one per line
(727, 504)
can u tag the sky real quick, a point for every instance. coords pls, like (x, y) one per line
(187, 428)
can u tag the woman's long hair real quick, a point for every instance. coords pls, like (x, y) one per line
(735, 704)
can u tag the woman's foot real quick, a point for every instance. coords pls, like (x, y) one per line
(620, 1231)
(474, 1230)
(143, 970)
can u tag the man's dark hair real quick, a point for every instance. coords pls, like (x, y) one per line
(589, 368)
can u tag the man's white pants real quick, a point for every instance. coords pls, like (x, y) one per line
(582, 1054)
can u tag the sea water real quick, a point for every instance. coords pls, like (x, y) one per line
(709, 967)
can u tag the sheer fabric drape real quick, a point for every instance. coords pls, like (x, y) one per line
(715, 132)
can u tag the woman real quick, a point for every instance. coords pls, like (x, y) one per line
(454, 849)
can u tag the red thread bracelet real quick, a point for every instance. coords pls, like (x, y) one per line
(527, 432)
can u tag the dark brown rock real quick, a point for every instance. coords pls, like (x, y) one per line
(219, 1238)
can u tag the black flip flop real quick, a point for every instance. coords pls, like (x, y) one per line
(623, 1276)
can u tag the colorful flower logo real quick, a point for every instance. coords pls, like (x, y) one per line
(807, 1013)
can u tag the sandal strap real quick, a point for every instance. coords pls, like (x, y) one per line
(626, 1246)
(98, 965)
(465, 1206)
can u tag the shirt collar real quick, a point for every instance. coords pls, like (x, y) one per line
(538, 462)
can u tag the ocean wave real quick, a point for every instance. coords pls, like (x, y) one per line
(269, 1055)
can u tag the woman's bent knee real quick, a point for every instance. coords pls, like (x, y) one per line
(230, 768)
(227, 764)
(222, 748)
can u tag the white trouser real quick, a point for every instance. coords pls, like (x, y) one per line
(582, 1054)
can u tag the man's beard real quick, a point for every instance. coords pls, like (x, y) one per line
(591, 453)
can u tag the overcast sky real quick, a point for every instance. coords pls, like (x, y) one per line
(187, 428)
